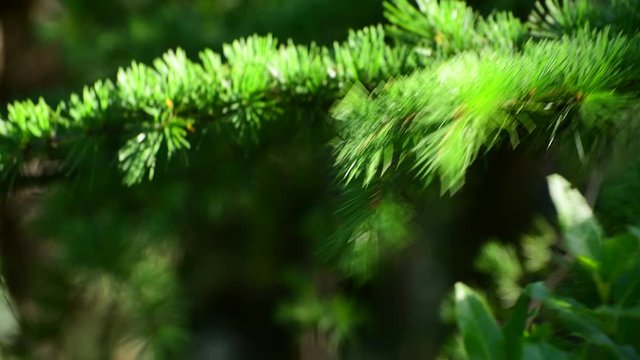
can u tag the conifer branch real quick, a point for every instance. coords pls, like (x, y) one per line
(149, 107)
(439, 119)
(160, 108)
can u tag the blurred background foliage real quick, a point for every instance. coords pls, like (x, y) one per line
(225, 256)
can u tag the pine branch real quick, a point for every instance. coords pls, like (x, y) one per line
(476, 81)
(161, 108)
(151, 107)
(443, 28)
(438, 120)
(555, 18)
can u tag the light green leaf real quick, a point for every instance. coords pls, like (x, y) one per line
(387, 159)
(372, 169)
(582, 232)
(482, 337)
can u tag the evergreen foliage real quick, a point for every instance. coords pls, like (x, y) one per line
(424, 95)
(546, 86)
(151, 107)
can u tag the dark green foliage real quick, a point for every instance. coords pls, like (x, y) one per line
(371, 225)
(118, 31)
(585, 327)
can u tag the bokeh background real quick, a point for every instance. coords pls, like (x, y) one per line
(225, 255)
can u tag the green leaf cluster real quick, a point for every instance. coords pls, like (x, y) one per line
(592, 313)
